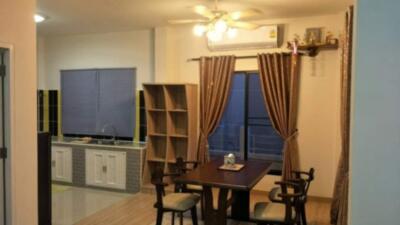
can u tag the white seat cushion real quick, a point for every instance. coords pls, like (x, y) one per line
(180, 201)
(271, 212)
(194, 187)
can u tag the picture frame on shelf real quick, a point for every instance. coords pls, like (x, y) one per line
(313, 36)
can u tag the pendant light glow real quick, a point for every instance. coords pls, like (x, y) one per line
(199, 30)
(221, 26)
(214, 36)
(215, 30)
(232, 33)
(39, 18)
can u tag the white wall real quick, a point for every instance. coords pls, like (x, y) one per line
(109, 50)
(375, 148)
(319, 138)
(41, 61)
(17, 29)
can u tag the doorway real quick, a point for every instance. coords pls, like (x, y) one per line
(4, 129)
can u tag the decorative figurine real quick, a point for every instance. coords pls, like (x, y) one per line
(296, 38)
(229, 159)
(330, 39)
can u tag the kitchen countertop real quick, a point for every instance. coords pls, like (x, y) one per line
(79, 142)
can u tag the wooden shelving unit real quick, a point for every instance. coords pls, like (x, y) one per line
(171, 111)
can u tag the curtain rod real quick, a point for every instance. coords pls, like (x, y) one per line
(242, 57)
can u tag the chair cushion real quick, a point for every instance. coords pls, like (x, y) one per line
(194, 187)
(180, 201)
(271, 212)
(273, 194)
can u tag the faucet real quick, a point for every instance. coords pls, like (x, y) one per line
(115, 133)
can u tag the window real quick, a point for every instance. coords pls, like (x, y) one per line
(245, 128)
(98, 100)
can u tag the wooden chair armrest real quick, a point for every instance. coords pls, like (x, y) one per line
(191, 162)
(298, 174)
(159, 183)
(171, 175)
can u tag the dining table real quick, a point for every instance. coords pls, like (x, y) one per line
(240, 183)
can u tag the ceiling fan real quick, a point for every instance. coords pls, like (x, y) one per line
(217, 22)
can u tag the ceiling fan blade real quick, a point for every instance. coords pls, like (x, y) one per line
(204, 11)
(187, 21)
(244, 25)
(237, 15)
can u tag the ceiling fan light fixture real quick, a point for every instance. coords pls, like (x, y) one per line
(221, 26)
(199, 30)
(232, 33)
(236, 15)
(214, 36)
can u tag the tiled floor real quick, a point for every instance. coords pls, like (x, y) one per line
(72, 204)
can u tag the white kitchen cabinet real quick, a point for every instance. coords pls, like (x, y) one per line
(61, 164)
(106, 168)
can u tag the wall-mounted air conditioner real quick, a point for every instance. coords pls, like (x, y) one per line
(269, 36)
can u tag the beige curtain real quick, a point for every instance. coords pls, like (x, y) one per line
(215, 83)
(279, 73)
(339, 208)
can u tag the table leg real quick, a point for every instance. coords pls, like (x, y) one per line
(215, 216)
(240, 205)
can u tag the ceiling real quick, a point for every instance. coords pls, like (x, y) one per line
(98, 16)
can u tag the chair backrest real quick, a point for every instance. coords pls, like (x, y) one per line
(157, 179)
(309, 179)
(183, 166)
(291, 200)
(180, 165)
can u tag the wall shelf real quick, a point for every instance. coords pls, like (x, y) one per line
(178, 110)
(312, 50)
(156, 110)
(178, 136)
(156, 160)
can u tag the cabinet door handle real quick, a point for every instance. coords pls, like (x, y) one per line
(53, 163)
(104, 169)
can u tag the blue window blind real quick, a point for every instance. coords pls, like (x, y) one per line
(116, 101)
(79, 101)
(97, 99)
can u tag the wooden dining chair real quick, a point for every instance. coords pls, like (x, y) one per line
(187, 166)
(177, 202)
(300, 176)
(284, 212)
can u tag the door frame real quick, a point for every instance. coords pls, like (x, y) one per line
(10, 196)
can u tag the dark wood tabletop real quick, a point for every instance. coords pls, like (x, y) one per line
(209, 175)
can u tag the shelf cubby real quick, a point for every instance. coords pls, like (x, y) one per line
(154, 97)
(178, 124)
(177, 147)
(156, 122)
(176, 97)
(157, 147)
